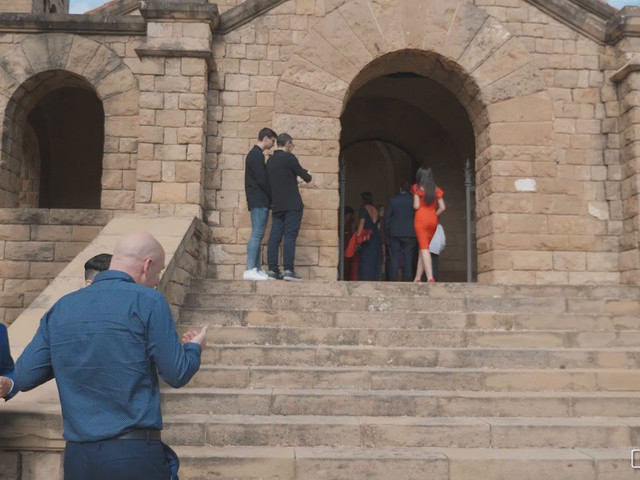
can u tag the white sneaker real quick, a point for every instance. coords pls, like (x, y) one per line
(252, 275)
(262, 273)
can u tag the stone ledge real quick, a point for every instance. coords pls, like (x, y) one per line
(78, 24)
(586, 16)
(597, 7)
(193, 11)
(630, 67)
(626, 23)
(244, 13)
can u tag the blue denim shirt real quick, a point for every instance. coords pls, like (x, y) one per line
(105, 345)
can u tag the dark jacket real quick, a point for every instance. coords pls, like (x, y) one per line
(256, 186)
(283, 170)
(7, 368)
(400, 214)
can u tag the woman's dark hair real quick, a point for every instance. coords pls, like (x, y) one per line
(367, 198)
(424, 179)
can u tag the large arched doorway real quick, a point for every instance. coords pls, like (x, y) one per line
(397, 122)
(472, 55)
(57, 133)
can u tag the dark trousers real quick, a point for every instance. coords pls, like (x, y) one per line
(116, 459)
(283, 224)
(401, 248)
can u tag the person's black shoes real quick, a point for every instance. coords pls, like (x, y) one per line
(292, 276)
(274, 275)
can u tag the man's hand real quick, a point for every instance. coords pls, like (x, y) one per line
(194, 336)
(5, 386)
(301, 181)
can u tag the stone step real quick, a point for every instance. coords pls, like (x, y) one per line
(370, 378)
(408, 305)
(340, 355)
(582, 322)
(402, 289)
(395, 337)
(400, 403)
(408, 432)
(326, 463)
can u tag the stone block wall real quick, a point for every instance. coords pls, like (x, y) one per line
(42, 63)
(549, 196)
(35, 246)
(173, 105)
(568, 229)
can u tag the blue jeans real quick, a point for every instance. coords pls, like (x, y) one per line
(259, 217)
(116, 459)
(284, 224)
(402, 248)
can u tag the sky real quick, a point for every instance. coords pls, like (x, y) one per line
(617, 3)
(81, 6)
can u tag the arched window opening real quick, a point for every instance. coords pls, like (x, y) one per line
(53, 140)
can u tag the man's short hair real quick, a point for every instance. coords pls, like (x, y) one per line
(97, 264)
(405, 187)
(283, 139)
(266, 132)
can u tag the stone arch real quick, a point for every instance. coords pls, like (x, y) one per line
(42, 63)
(454, 43)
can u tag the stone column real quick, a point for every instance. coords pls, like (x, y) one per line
(628, 79)
(173, 107)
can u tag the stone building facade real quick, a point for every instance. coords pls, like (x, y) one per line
(151, 108)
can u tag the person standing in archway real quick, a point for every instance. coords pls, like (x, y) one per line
(371, 249)
(256, 188)
(402, 234)
(429, 205)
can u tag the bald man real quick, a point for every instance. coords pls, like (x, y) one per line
(105, 345)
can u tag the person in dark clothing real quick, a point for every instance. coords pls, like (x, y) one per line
(256, 187)
(283, 170)
(95, 265)
(349, 230)
(371, 250)
(401, 234)
(7, 368)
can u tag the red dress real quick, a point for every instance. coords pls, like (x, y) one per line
(425, 220)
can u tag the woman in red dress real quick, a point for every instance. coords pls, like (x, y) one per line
(428, 203)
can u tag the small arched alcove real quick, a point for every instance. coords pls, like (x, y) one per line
(53, 142)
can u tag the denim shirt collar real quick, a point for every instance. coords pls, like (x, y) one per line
(113, 275)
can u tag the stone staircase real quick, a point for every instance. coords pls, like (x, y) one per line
(379, 381)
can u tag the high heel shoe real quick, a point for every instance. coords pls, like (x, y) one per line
(431, 280)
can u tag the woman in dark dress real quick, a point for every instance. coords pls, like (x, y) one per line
(370, 252)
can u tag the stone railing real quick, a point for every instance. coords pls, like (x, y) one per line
(36, 244)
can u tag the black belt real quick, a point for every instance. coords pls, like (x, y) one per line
(140, 434)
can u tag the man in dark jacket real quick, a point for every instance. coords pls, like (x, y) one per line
(283, 170)
(401, 233)
(256, 188)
